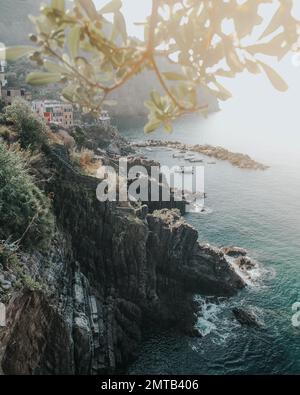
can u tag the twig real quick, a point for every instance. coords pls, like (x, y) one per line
(18, 242)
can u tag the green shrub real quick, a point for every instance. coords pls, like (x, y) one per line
(8, 255)
(79, 135)
(25, 212)
(31, 128)
(5, 132)
(31, 284)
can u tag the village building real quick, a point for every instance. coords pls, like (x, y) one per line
(54, 111)
(3, 66)
(3, 81)
(104, 119)
(9, 94)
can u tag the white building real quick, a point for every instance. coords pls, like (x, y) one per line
(104, 118)
(3, 81)
(3, 66)
(54, 111)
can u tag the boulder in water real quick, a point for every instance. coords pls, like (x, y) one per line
(246, 317)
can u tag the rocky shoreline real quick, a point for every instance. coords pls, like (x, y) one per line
(239, 160)
(107, 276)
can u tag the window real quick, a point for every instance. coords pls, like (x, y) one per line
(8, 93)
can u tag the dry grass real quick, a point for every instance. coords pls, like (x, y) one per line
(54, 138)
(29, 158)
(85, 158)
(8, 134)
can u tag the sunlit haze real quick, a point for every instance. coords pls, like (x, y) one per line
(258, 119)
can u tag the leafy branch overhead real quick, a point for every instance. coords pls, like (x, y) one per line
(201, 42)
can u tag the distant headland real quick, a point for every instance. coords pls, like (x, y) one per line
(239, 160)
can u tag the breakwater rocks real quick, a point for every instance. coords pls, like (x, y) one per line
(236, 159)
(107, 275)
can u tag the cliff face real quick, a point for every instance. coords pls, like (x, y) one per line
(108, 275)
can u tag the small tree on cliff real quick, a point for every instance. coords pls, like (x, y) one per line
(25, 212)
(201, 41)
(30, 128)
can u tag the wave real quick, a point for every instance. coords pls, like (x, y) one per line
(215, 319)
(254, 276)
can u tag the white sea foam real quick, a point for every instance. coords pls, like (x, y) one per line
(214, 320)
(253, 276)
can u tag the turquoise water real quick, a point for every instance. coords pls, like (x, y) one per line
(259, 211)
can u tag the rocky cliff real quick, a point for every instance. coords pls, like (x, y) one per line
(107, 275)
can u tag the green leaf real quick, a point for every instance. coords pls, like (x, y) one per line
(111, 7)
(224, 93)
(174, 76)
(55, 67)
(73, 41)
(120, 25)
(168, 127)
(68, 93)
(274, 78)
(14, 53)
(37, 78)
(252, 67)
(90, 9)
(155, 96)
(150, 105)
(58, 5)
(152, 125)
(110, 103)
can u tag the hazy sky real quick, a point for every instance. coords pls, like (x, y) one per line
(265, 120)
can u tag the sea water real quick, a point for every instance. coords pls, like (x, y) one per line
(256, 210)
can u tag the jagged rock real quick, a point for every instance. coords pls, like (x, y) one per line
(12, 278)
(215, 276)
(234, 251)
(82, 336)
(246, 317)
(245, 263)
(5, 285)
(37, 338)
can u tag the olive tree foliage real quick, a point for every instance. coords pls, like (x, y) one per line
(202, 41)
